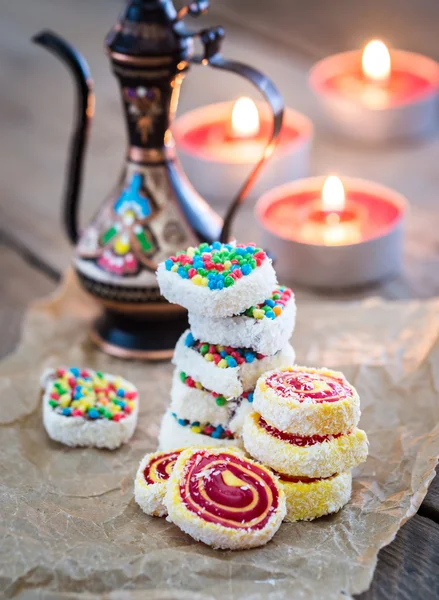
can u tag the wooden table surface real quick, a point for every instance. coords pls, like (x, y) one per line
(36, 104)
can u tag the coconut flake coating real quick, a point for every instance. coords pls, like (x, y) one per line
(308, 500)
(230, 379)
(195, 404)
(307, 401)
(206, 483)
(265, 335)
(336, 454)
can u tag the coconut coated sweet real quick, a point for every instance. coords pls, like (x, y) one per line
(151, 479)
(83, 407)
(220, 280)
(307, 401)
(308, 456)
(223, 499)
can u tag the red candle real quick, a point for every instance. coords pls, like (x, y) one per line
(328, 232)
(219, 143)
(378, 93)
(328, 220)
(236, 132)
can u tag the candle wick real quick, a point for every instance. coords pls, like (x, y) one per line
(333, 219)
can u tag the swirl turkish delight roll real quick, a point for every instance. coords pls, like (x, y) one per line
(307, 456)
(223, 499)
(307, 401)
(309, 499)
(151, 479)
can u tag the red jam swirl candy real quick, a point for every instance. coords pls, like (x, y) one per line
(306, 401)
(224, 499)
(159, 468)
(296, 440)
(310, 498)
(229, 491)
(151, 479)
(316, 456)
(307, 386)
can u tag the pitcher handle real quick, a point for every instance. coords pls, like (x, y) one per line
(85, 101)
(211, 39)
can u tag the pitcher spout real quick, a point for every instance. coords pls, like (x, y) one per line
(84, 114)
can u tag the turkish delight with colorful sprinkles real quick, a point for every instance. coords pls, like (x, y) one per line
(219, 280)
(191, 434)
(83, 407)
(192, 402)
(225, 369)
(265, 327)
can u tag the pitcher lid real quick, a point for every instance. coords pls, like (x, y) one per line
(149, 28)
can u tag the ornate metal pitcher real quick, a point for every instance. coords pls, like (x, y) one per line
(153, 210)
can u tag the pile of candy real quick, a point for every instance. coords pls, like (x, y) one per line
(272, 307)
(222, 356)
(224, 352)
(219, 399)
(218, 265)
(88, 394)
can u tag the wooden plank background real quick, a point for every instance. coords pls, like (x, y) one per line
(282, 37)
(317, 28)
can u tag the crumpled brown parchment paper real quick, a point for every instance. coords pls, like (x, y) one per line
(71, 529)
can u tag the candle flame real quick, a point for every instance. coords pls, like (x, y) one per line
(245, 118)
(333, 196)
(375, 61)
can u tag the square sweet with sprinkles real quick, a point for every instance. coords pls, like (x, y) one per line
(83, 407)
(264, 327)
(225, 369)
(218, 280)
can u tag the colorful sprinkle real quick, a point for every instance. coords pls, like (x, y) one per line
(272, 307)
(88, 394)
(213, 431)
(223, 356)
(190, 340)
(217, 265)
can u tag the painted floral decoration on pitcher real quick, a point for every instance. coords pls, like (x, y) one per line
(128, 242)
(144, 105)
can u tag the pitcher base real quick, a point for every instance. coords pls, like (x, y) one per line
(126, 337)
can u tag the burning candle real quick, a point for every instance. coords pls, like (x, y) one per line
(376, 70)
(219, 143)
(375, 62)
(329, 221)
(378, 94)
(328, 232)
(245, 120)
